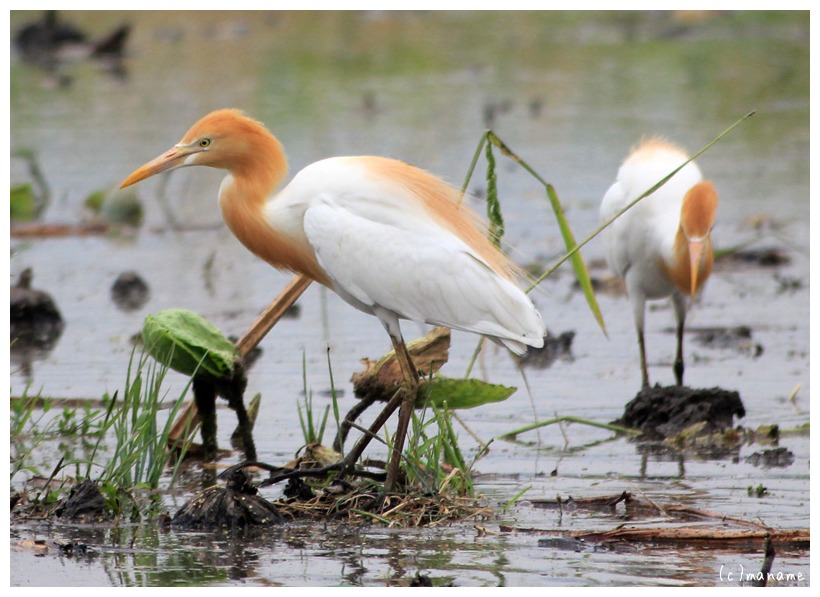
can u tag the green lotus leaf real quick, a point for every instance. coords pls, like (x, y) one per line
(187, 343)
(461, 393)
(23, 202)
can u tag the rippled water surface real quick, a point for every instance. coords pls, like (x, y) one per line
(569, 93)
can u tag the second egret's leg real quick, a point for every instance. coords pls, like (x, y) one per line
(642, 348)
(679, 301)
(638, 301)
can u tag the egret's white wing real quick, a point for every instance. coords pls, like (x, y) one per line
(424, 273)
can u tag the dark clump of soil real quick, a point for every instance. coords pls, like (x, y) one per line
(130, 291)
(235, 506)
(661, 412)
(777, 457)
(85, 503)
(35, 320)
(738, 338)
(421, 580)
(763, 257)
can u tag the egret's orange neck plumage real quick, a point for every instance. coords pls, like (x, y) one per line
(242, 212)
(257, 163)
(697, 214)
(693, 255)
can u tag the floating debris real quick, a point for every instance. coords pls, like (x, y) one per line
(357, 505)
(777, 457)
(571, 544)
(765, 257)
(51, 38)
(555, 347)
(684, 525)
(380, 379)
(129, 291)
(421, 580)
(115, 208)
(738, 338)
(35, 320)
(38, 230)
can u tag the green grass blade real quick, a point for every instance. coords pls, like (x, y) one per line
(578, 264)
(335, 403)
(569, 419)
(473, 163)
(566, 232)
(496, 230)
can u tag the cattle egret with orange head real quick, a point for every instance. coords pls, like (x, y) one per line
(661, 246)
(389, 238)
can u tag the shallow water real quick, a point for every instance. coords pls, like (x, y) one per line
(570, 93)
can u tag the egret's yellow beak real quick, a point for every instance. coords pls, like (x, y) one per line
(695, 254)
(173, 158)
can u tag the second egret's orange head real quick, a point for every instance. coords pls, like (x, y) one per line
(696, 220)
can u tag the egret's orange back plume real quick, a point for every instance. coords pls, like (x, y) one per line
(649, 145)
(442, 202)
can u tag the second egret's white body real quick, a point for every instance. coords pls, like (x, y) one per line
(661, 246)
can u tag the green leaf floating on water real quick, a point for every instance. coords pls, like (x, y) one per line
(23, 202)
(461, 393)
(187, 343)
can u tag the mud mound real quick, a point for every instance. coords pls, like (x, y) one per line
(661, 411)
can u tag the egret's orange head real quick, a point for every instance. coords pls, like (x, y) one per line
(697, 219)
(225, 139)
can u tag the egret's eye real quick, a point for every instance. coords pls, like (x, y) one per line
(204, 142)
